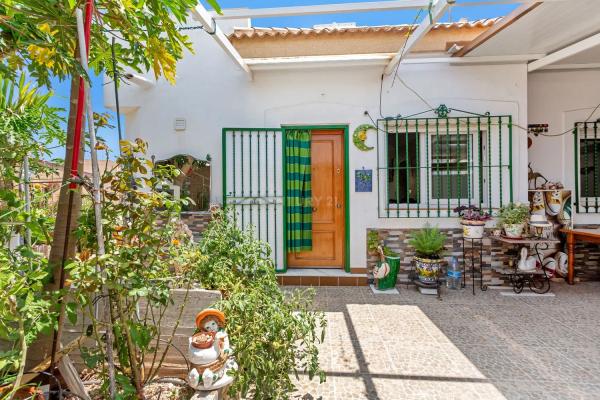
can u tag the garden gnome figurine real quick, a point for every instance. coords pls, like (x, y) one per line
(209, 354)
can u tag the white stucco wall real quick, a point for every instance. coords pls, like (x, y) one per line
(560, 99)
(212, 93)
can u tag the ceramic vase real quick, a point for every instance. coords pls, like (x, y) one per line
(550, 266)
(562, 263)
(553, 202)
(538, 206)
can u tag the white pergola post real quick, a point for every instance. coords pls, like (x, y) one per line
(210, 25)
(437, 11)
(567, 52)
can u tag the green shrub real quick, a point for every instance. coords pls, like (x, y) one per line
(272, 334)
(428, 242)
(29, 127)
(146, 256)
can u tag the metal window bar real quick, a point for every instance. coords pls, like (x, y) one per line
(251, 186)
(587, 167)
(428, 166)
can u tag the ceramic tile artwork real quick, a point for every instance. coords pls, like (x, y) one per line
(488, 346)
(363, 180)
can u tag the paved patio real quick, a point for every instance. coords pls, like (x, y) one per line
(487, 346)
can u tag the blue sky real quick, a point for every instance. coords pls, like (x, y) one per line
(61, 89)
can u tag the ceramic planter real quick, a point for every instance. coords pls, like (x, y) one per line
(472, 229)
(538, 205)
(389, 280)
(514, 230)
(428, 269)
(553, 202)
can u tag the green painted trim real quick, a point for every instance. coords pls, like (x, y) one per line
(577, 172)
(284, 193)
(347, 197)
(346, 140)
(510, 159)
(224, 165)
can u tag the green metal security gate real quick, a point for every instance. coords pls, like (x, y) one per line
(428, 166)
(587, 167)
(253, 184)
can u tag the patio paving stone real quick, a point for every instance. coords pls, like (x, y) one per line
(487, 346)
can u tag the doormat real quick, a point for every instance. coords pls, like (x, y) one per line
(387, 291)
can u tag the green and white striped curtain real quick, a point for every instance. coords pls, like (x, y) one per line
(299, 191)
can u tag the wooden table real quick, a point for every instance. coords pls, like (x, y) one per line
(574, 235)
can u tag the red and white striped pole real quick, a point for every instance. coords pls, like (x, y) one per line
(87, 26)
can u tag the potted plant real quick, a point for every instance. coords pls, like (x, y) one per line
(386, 271)
(513, 217)
(428, 244)
(392, 259)
(473, 221)
(372, 242)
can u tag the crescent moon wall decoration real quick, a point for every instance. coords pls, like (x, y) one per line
(360, 135)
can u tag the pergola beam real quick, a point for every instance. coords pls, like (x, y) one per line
(340, 8)
(210, 25)
(566, 52)
(273, 63)
(570, 67)
(435, 13)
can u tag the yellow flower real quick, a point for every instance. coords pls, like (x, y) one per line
(43, 55)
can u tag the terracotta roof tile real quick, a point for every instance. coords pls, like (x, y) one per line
(255, 32)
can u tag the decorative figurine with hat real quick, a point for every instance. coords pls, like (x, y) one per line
(209, 353)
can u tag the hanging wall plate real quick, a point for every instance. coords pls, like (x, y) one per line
(360, 135)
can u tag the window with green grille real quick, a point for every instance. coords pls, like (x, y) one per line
(428, 166)
(587, 166)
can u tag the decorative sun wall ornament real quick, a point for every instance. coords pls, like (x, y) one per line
(360, 135)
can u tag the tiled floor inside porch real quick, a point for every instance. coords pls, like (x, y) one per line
(487, 346)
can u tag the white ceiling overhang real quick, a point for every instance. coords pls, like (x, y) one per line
(564, 32)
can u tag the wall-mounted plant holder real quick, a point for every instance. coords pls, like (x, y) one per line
(363, 180)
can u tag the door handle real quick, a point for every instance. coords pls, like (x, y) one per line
(314, 209)
(338, 205)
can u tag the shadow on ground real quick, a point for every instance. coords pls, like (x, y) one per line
(487, 346)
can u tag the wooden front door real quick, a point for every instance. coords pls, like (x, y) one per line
(328, 218)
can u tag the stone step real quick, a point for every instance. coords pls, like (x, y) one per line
(320, 277)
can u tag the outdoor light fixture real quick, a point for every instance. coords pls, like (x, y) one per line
(138, 80)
